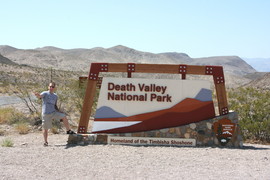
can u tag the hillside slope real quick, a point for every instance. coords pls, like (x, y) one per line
(261, 82)
(5, 60)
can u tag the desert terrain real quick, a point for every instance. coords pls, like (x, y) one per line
(28, 159)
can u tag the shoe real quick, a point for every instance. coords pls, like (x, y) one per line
(70, 132)
(45, 144)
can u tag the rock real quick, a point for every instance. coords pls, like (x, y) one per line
(171, 130)
(216, 141)
(192, 126)
(187, 135)
(209, 125)
(164, 130)
(178, 131)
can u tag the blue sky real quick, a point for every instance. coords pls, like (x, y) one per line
(200, 28)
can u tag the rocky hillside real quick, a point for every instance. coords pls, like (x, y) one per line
(232, 64)
(5, 60)
(262, 82)
(80, 59)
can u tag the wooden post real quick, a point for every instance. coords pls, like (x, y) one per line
(222, 99)
(87, 106)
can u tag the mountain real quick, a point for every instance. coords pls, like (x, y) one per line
(80, 59)
(260, 64)
(232, 64)
(5, 60)
(261, 82)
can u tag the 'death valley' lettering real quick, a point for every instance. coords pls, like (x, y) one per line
(155, 96)
(132, 87)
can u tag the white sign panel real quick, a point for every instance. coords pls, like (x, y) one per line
(125, 102)
(130, 96)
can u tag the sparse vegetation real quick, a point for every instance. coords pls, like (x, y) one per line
(253, 106)
(18, 117)
(22, 127)
(55, 130)
(6, 115)
(20, 120)
(7, 142)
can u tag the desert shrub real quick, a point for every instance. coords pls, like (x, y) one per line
(12, 116)
(6, 115)
(253, 107)
(4, 87)
(18, 117)
(22, 127)
(9, 115)
(55, 130)
(25, 92)
(7, 143)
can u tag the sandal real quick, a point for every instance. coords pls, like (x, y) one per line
(45, 144)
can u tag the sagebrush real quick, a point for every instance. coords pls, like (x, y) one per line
(253, 107)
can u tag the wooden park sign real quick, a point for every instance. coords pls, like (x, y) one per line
(134, 105)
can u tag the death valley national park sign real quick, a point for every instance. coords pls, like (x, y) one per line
(128, 105)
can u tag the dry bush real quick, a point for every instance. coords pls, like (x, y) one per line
(22, 128)
(6, 115)
(55, 130)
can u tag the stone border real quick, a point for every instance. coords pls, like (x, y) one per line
(201, 131)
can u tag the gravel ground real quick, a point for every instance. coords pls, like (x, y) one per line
(28, 159)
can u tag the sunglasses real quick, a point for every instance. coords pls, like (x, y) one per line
(51, 86)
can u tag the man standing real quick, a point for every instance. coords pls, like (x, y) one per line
(50, 111)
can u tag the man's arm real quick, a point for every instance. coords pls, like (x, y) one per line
(37, 95)
(55, 106)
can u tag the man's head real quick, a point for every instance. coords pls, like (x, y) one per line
(52, 87)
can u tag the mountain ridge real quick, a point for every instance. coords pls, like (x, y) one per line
(66, 59)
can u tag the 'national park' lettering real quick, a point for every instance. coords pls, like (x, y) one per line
(151, 92)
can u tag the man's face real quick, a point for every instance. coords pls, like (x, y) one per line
(51, 87)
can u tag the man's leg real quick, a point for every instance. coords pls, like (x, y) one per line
(66, 124)
(45, 135)
(46, 125)
(63, 117)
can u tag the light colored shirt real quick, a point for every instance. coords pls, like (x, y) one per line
(48, 102)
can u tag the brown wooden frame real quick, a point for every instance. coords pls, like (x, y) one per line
(93, 81)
